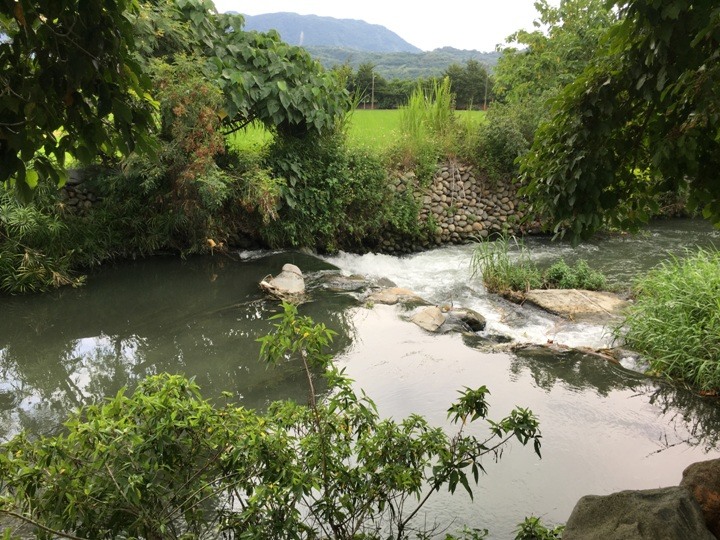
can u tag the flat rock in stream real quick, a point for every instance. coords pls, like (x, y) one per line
(395, 295)
(576, 304)
(430, 318)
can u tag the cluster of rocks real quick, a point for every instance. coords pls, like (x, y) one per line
(76, 197)
(457, 206)
(435, 319)
(289, 285)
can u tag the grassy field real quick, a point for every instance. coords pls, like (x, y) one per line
(375, 130)
(250, 138)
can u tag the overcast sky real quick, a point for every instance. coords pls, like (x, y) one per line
(463, 24)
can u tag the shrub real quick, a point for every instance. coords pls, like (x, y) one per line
(506, 135)
(183, 186)
(533, 529)
(164, 463)
(330, 197)
(581, 276)
(505, 265)
(35, 254)
(675, 319)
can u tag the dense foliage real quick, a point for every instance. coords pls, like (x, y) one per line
(261, 77)
(533, 68)
(164, 463)
(641, 119)
(535, 65)
(35, 254)
(471, 84)
(69, 87)
(675, 320)
(330, 197)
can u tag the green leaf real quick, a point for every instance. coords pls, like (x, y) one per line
(31, 178)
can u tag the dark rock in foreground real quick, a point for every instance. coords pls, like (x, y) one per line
(703, 481)
(654, 514)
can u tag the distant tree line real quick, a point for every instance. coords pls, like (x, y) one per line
(471, 84)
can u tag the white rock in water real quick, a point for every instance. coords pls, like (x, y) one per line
(289, 282)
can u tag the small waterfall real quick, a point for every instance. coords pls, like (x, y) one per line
(444, 276)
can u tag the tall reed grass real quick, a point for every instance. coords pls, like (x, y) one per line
(675, 320)
(428, 129)
(506, 266)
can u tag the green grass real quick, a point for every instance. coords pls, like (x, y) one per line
(675, 320)
(375, 130)
(506, 267)
(251, 138)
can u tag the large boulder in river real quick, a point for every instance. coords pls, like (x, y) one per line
(577, 304)
(653, 514)
(703, 481)
(469, 317)
(430, 318)
(288, 284)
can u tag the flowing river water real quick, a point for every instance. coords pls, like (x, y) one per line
(606, 427)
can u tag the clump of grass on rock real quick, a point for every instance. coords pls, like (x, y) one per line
(506, 267)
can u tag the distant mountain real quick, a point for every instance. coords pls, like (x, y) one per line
(402, 65)
(312, 30)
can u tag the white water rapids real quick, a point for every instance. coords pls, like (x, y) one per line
(444, 277)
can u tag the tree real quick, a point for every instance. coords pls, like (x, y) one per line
(74, 79)
(69, 85)
(165, 463)
(533, 68)
(368, 85)
(536, 65)
(641, 119)
(470, 84)
(261, 77)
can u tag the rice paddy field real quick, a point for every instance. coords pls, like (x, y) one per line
(372, 129)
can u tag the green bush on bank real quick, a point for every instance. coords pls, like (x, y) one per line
(532, 528)
(330, 197)
(675, 319)
(35, 254)
(505, 266)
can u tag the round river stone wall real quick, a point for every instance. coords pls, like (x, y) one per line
(458, 206)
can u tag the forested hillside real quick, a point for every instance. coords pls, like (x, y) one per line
(312, 30)
(402, 65)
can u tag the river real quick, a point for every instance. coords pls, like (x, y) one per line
(605, 428)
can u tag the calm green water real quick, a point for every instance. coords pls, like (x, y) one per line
(199, 317)
(605, 428)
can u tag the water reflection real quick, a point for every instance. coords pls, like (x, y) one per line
(574, 370)
(691, 420)
(200, 317)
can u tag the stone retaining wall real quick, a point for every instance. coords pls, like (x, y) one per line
(458, 206)
(76, 196)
